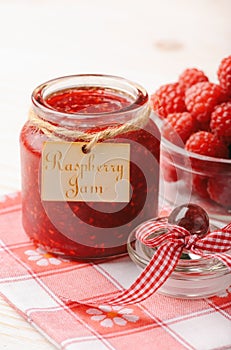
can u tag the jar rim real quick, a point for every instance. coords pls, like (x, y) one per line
(140, 95)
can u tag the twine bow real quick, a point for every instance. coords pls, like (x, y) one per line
(169, 247)
(58, 133)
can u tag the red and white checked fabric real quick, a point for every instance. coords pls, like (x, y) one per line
(32, 281)
(170, 246)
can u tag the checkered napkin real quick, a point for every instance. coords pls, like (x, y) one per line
(32, 281)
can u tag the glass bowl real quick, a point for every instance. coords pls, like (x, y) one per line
(190, 177)
(193, 278)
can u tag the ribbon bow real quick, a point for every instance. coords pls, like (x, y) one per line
(170, 245)
(170, 241)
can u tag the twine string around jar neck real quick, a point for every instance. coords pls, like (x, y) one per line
(57, 133)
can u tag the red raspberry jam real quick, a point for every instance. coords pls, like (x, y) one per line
(89, 230)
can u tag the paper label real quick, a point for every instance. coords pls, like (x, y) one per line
(69, 174)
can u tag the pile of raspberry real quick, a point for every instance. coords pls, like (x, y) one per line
(197, 116)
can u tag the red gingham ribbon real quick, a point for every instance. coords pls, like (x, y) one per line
(170, 245)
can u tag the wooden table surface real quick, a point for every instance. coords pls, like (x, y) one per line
(150, 42)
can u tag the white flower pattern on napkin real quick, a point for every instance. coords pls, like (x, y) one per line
(108, 316)
(41, 257)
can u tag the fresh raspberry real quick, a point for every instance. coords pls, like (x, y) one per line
(201, 98)
(170, 173)
(221, 121)
(207, 144)
(225, 96)
(168, 99)
(167, 167)
(178, 127)
(204, 126)
(200, 183)
(219, 189)
(224, 74)
(191, 76)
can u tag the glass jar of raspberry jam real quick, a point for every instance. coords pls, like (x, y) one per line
(103, 112)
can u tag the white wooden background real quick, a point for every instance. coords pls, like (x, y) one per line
(148, 41)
